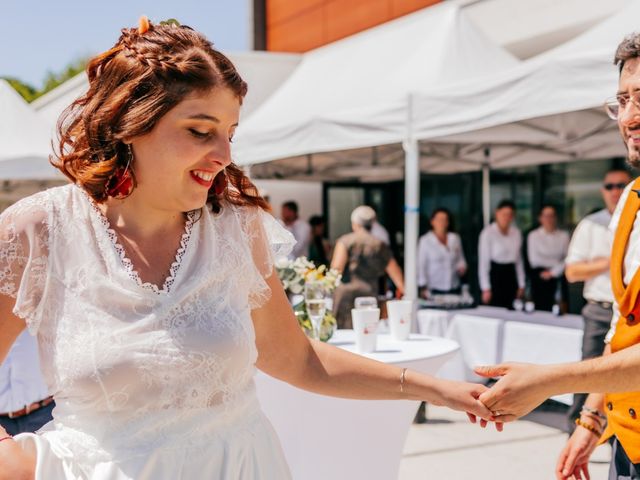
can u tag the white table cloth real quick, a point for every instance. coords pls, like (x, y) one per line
(526, 342)
(333, 438)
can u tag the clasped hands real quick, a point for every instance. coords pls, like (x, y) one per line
(521, 388)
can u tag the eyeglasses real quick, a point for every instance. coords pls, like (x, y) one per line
(612, 186)
(615, 105)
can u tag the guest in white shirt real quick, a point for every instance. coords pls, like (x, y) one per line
(500, 266)
(441, 260)
(588, 261)
(25, 404)
(299, 228)
(546, 248)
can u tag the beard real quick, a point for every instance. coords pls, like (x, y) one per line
(633, 153)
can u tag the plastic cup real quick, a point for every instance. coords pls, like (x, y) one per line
(400, 313)
(365, 327)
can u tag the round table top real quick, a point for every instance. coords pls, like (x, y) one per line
(417, 347)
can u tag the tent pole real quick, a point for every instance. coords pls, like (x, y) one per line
(411, 218)
(486, 188)
(411, 209)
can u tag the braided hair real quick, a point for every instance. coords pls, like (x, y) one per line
(148, 71)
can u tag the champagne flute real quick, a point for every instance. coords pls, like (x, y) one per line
(315, 295)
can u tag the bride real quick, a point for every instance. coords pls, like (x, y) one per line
(149, 284)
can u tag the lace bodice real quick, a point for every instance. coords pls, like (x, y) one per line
(114, 350)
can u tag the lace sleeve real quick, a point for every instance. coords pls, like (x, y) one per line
(268, 241)
(24, 257)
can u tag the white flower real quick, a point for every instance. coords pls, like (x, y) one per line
(283, 262)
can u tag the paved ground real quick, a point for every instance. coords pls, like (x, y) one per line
(448, 447)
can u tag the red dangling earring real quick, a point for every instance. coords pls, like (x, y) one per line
(220, 183)
(122, 182)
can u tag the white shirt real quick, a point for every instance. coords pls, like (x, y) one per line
(21, 381)
(494, 246)
(301, 231)
(438, 263)
(591, 239)
(548, 249)
(631, 257)
(378, 231)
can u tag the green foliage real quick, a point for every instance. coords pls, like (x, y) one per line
(28, 92)
(51, 81)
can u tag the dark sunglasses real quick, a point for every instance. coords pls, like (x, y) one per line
(612, 186)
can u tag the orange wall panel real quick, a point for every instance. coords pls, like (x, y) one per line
(282, 10)
(302, 25)
(306, 33)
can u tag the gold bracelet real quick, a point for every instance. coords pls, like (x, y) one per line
(591, 428)
(601, 423)
(402, 375)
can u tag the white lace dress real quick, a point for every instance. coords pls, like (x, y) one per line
(150, 383)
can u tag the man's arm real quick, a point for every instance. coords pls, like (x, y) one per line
(581, 271)
(580, 265)
(573, 460)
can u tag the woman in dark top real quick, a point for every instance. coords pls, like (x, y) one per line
(364, 259)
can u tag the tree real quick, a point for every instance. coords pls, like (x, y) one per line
(51, 81)
(28, 92)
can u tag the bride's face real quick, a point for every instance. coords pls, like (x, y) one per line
(176, 162)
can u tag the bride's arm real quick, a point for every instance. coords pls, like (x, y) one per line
(14, 462)
(286, 353)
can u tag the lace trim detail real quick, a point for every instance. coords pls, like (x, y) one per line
(128, 264)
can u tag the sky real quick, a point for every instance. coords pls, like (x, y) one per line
(46, 35)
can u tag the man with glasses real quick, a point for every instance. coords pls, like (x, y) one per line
(588, 261)
(615, 414)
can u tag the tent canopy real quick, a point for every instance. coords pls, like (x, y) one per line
(354, 93)
(25, 143)
(544, 110)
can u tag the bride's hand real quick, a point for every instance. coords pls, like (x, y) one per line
(464, 397)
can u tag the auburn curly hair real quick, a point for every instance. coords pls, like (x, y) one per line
(131, 86)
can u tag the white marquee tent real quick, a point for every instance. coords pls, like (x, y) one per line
(25, 142)
(545, 110)
(354, 93)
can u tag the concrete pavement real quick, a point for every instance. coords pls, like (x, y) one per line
(448, 447)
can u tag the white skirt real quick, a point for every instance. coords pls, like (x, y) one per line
(247, 449)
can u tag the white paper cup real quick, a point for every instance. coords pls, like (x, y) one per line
(365, 326)
(400, 312)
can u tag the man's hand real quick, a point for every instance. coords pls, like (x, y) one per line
(520, 389)
(486, 297)
(573, 462)
(546, 275)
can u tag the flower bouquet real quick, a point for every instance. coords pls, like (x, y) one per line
(294, 274)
